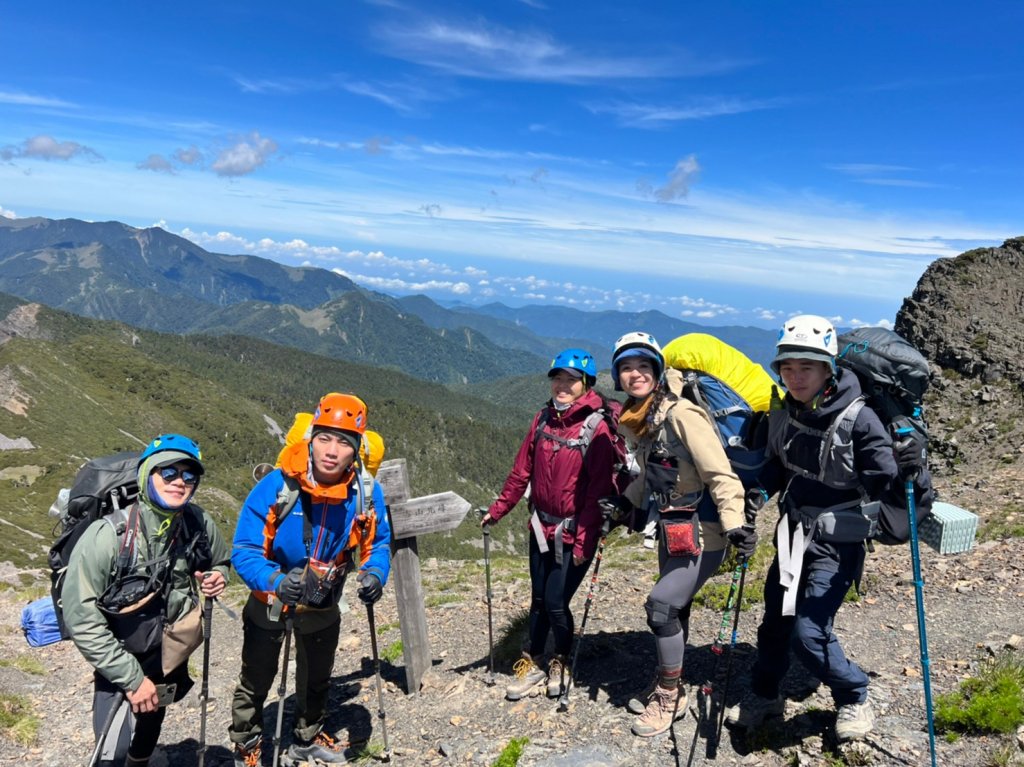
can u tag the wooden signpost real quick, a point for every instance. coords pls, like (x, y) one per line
(411, 517)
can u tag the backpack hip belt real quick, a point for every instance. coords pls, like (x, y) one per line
(562, 525)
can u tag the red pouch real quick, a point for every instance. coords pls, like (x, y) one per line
(681, 537)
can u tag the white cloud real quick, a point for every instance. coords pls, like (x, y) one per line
(157, 163)
(493, 52)
(189, 156)
(245, 156)
(659, 116)
(48, 148)
(7, 213)
(29, 100)
(679, 181)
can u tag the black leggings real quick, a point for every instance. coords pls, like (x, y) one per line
(552, 587)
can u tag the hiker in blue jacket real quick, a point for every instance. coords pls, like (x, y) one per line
(820, 537)
(302, 529)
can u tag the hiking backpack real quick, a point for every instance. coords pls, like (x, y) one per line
(626, 468)
(735, 393)
(893, 378)
(102, 487)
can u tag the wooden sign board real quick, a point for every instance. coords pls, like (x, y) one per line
(428, 514)
(393, 478)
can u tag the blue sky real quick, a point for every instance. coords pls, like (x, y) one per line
(727, 163)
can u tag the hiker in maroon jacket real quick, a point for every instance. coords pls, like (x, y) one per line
(566, 475)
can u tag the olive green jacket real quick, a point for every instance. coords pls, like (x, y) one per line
(92, 568)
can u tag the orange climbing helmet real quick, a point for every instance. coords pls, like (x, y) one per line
(341, 411)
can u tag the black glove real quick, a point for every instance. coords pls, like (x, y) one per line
(744, 539)
(289, 589)
(910, 453)
(370, 588)
(753, 502)
(619, 509)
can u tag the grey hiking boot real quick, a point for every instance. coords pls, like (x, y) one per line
(638, 704)
(664, 708)
(854, 721)
(248, 754)
(750, 713)
(529, 678)
(322, 749)
(558, 676)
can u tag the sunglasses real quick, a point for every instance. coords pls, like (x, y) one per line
(171, 473)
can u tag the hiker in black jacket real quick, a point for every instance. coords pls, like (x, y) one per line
(820, 535)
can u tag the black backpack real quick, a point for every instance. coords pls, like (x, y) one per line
(893, 377)
(102, 487)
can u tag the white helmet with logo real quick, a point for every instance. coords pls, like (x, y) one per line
(637, 344)
(806, 337)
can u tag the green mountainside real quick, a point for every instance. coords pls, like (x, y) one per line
(153, 279)
(76, 388)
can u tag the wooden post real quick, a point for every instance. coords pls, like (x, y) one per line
(410, 517)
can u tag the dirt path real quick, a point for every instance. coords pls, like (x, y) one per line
(973, 605)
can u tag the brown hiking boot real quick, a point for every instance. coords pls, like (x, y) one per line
(529, 678)
(664, 708)
(638, 704)
(558, 676)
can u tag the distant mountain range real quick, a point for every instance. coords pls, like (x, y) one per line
(153, 279)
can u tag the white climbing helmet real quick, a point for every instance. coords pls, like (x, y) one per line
(806, 337)
(637, 344)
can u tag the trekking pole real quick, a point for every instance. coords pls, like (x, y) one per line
(106, 729)
(737, 608)
(204, 694)
(282, 688)
(705, 693)
(922, 635)
(490, 615)
(563, 699)
(386, 755)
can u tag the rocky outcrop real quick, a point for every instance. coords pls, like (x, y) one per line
(965, 313)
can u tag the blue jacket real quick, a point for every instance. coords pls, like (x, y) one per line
(333, 533)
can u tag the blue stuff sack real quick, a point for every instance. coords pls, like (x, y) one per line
(39, 622)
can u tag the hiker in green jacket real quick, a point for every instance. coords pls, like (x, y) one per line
(118, 595)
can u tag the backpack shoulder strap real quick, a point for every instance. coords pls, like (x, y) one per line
(286, 499)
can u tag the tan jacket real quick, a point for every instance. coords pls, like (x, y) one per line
(687, 431)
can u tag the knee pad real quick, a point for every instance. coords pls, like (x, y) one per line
(662, 618)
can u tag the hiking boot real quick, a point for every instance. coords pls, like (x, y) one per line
(664, 708)
(529, 678)
(638, 704)
(751, 712)
(323, 748)
(854, 721)
(248, 754)
(558, 676)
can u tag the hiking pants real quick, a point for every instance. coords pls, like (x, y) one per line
(679, 581)
(314, 644)
(135, 734)
(827, 575)
(552, 587)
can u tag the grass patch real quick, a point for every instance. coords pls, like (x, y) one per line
(393, 651)
(1008, 523)
(17, 720)
(442, 599)
(992, 702)
(369, 753)
(24, 663)
(509, 756)
(386, 627)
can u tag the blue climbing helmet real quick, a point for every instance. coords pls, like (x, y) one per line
(637, 344)
(182, 447)
(575, 359)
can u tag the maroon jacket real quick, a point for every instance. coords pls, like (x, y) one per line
(563, 482)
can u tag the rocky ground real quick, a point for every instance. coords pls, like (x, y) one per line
(972, 605)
